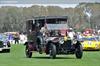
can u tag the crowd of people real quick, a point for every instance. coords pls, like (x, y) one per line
(15, 37)
(79, 35)
(21, 38)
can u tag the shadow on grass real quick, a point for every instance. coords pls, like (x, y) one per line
(91, 50)
(4, 52)
(55, 58)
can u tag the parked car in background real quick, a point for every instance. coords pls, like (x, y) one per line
(12, 36)
(91, 43)
(4, 43)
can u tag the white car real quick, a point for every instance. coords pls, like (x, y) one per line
(4, 43)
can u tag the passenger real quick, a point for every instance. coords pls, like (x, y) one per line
(67, 42)
(71, 34)
(42, 30)
(79, 36)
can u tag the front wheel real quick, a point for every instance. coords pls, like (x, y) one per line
(40, 49)
(52, 51)
(79, 52)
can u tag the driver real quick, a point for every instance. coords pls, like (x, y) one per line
(43, 30)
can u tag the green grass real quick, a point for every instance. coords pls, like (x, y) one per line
(17, 58)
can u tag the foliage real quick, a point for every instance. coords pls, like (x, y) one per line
(13, 18)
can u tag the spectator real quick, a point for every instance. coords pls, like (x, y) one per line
(10, 38)
(16, 38)
(23, 38)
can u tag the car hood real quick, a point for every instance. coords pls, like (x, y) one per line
(55, 39)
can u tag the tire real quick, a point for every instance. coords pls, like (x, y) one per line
(39, 46)
(40, 49)
(79, 52)
(28, 53)
(8, 44)
(8, 50)
(52, 51)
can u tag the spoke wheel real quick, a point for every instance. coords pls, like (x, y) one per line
(52, 51)
(79, 52)
(28, 53)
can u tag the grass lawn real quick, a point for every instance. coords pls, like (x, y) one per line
(17, 58)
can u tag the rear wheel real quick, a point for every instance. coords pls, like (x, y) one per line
(52, 51)
(28, 53)
(79, 52)
(8, 44)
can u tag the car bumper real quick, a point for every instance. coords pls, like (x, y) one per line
(4, 48)
(91, 48)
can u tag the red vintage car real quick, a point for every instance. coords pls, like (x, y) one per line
(46, 34)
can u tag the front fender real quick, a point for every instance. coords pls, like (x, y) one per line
(77, 44)
(30, 46)
(40, 40)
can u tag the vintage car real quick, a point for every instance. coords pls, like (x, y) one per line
(46, 34)
(4, 43)
(91, 43)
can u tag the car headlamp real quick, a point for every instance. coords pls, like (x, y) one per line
(96, 45)
(74, 41)
(61, 40)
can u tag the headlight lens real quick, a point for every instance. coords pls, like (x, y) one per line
(61, 40)
(74, 41)
(97, 46)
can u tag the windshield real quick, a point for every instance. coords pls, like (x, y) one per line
(3, 37)
(57, 29)
(57, 26)
(90, 39)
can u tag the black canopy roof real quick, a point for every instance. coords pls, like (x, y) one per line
(49, 17)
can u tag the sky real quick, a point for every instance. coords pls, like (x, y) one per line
(29, 3)
(46, 1)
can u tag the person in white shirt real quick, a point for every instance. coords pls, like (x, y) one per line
(71, 34)
(23, 38)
